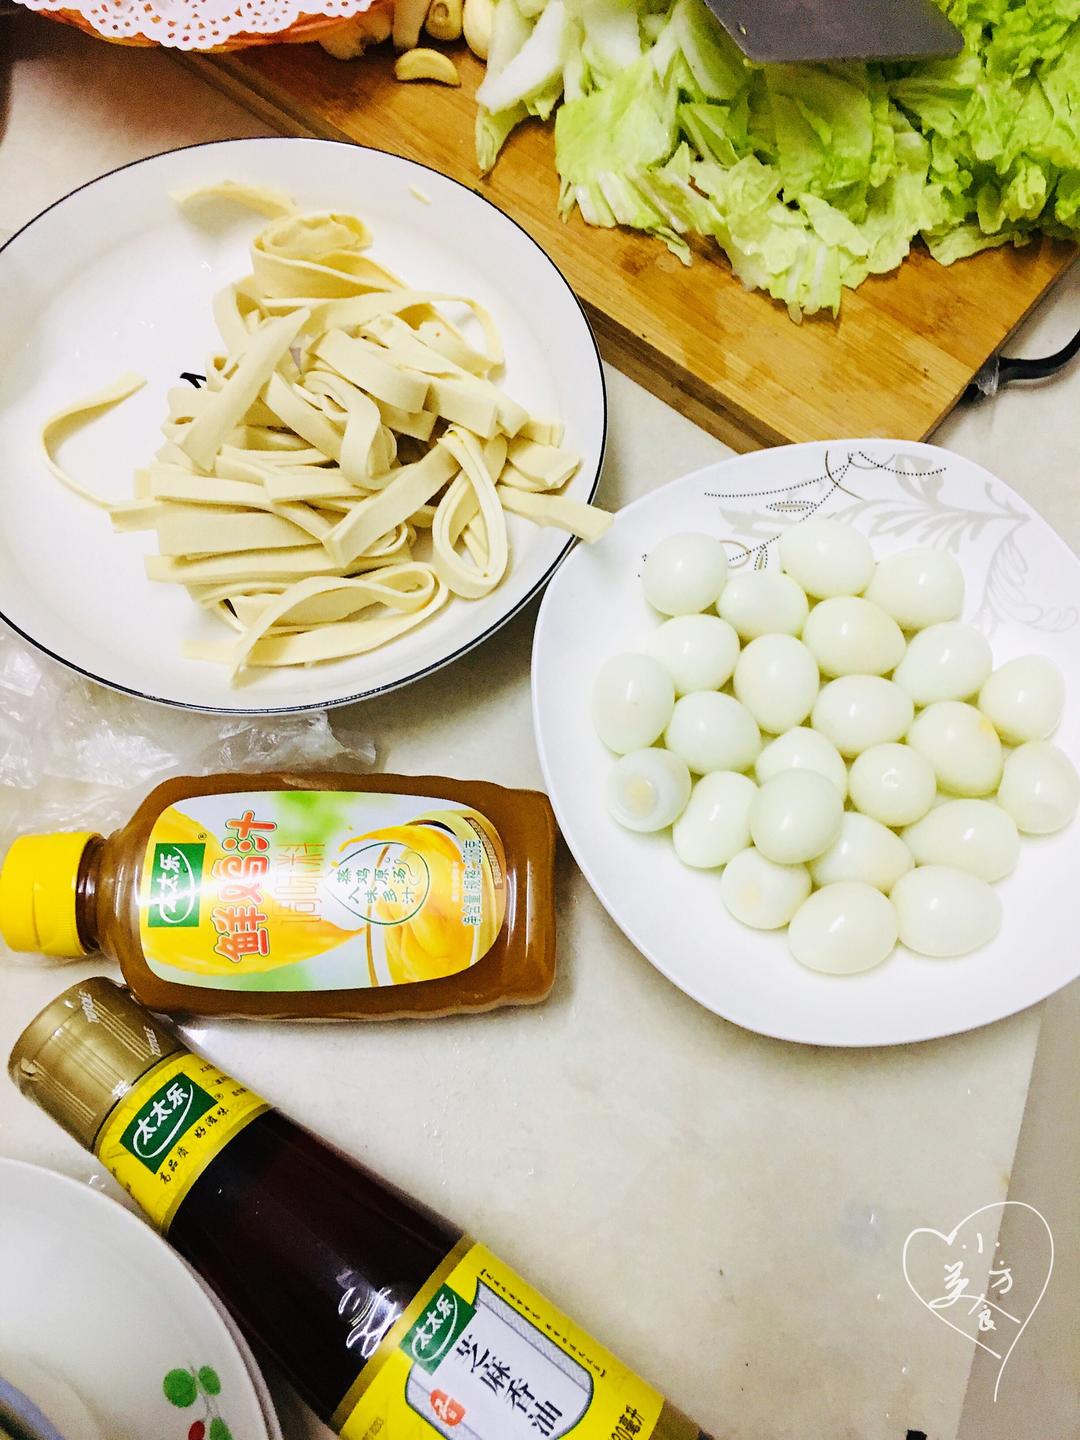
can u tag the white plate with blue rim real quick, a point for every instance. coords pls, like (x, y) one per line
(105, 1331)
(1022, 586)
(116, 277)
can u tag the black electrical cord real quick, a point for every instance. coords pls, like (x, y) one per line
(1002, 370)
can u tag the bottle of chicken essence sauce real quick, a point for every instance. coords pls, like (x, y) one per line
(351, 896)
(389, 1321)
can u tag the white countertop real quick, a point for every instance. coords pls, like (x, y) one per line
(725, 1211)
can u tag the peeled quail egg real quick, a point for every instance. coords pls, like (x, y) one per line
(961, 745)
(843, 929)
(777, 679)
(973, 835)
(795, 816)
(632, 702)
(648, 789)
(711, 731)
(760, 893)
(892, 783)
(943, 911)
(684, 574)
(944, 662)
(802, 749)
(849, 636)
(685, 746)
(763, 602)
(827, 557)
(858, 711)
(865, 851)
(698, 651)
(1023, 700)
(918, 587)
(716, 823)
(1040, 788)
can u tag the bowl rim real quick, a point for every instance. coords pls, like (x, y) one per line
(309, 707)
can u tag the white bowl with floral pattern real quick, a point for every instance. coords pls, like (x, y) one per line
(94, 1305)
(1022, 590)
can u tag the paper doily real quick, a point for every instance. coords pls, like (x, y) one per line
(196, 24)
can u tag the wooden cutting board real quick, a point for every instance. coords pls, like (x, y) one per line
(894, 364)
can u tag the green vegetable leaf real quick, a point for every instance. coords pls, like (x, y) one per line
(492, 132)
(809, 177)
(180, 1388)
(535, 66)
(612, 39)
(605, 139)
(716, 64)
(824, 126)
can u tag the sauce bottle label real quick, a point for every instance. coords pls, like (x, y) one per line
(480, 1354)
(169, 1126)
(291, 890)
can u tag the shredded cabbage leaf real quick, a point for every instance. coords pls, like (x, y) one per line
(809, 177)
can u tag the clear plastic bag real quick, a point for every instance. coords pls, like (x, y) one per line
(75, 756)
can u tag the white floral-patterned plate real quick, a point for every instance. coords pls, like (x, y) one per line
(95, 1306)
(258, 1379)
(1023, 591)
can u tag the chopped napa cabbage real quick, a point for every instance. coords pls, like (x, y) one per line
(536, 65)
(510, 29)
(824, 126)
(717, 66)
(611, 37)
(618, 130)
(809, 177)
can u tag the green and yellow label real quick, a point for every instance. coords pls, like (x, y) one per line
(168, 1128)
(480, 1353)
(300, 890)
(175, 881)
(163, 1121)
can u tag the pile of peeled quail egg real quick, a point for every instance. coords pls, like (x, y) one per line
(833, 741)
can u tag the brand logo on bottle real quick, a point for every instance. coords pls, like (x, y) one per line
(176, 884)
(449, 1411)
(434, 1334)
(164, 1120)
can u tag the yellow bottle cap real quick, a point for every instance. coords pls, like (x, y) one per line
(38, 884)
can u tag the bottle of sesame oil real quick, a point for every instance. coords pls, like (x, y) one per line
(388, 1320)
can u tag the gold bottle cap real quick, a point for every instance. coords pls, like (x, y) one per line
(85, 1051)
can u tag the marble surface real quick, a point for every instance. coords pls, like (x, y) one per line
(727, 1212)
